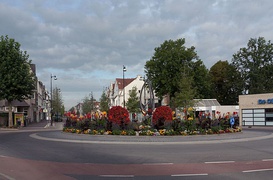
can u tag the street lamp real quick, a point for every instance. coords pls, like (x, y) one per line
(55, 78)
(124, 70)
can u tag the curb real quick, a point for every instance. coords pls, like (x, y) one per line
(36, 136)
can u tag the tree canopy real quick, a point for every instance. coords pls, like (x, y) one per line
(170, 62)
(201, 81)
(104, 102)
(17, 81)
(57, 102)
(255, 64)
(226, 83)
(132, 104)
(88, 104)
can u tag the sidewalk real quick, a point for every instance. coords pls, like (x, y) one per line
(42, 125)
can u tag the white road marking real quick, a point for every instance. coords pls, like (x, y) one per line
(257, 170)
(267, 160)
(157, 164)
(117, 176)
(219, 162)
(177, 175)
(6, 176)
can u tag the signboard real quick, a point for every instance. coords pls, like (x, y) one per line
(264, 101)
(19, 119)
(231, 121)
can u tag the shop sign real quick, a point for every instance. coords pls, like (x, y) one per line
(263, 101)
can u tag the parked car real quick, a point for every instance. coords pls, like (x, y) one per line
(57, 118)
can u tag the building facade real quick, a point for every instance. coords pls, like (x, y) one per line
(119, 90)
(256, 109)
(29, 110)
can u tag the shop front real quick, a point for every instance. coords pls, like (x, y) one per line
(256, 109)
(19, 119)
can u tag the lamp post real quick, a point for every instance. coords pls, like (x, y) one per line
(124, 70)
(51, 116)
(91, 104)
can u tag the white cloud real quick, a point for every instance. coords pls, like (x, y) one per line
(86, 43)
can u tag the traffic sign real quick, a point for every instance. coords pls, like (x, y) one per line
(231, 121)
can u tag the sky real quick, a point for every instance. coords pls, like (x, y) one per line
(86, 43)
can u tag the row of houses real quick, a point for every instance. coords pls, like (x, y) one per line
(118, 92)
(252, 110)
(31, 110)
(255, 109)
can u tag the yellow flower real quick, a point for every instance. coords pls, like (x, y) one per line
(123, 133)
(104, 113)
(162, 131)
(190, 109)
(190, 118)
(78, 131)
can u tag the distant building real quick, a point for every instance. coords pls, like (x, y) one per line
(211, 106)
(256, 109)
(30, 110)
(119, 91)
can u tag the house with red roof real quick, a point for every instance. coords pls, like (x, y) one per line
(118, 91)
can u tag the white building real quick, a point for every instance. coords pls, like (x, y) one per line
(119, 90)
(211, 106)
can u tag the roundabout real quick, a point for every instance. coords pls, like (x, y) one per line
(52, 154)
(152, 140)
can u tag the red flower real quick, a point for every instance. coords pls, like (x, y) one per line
(162, 112)
(67, 114)
(117, 114)
(88, 115)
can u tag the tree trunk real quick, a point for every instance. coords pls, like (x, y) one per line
(10, 114)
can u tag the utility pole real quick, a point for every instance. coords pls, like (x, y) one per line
(123, 71)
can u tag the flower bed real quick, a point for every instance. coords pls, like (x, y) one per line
(117, 122)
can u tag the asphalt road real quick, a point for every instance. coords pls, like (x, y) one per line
(47, 153)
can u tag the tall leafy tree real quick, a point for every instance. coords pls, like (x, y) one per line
(104, 102)
(17, 81)
(133, 101)
(184, 97)
(226, 83)
(202, 81)
(255, 63)
(168, 65)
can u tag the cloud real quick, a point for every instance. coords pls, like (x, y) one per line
(86, 43)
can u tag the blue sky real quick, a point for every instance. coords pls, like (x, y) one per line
(86, 43)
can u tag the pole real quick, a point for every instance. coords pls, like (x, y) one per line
(51, 116)
(124, 69)
(51, 94)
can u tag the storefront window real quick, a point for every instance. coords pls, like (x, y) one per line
(269, 114)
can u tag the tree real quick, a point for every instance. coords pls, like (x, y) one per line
(170, 61)
(17, 81)
(57, 101)
(133, 101)
(226, 83)
(86, 105)
(104, 102)
(184, 97)
(201, 81)
(255, 63)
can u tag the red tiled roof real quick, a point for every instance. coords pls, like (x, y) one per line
(126, 82)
